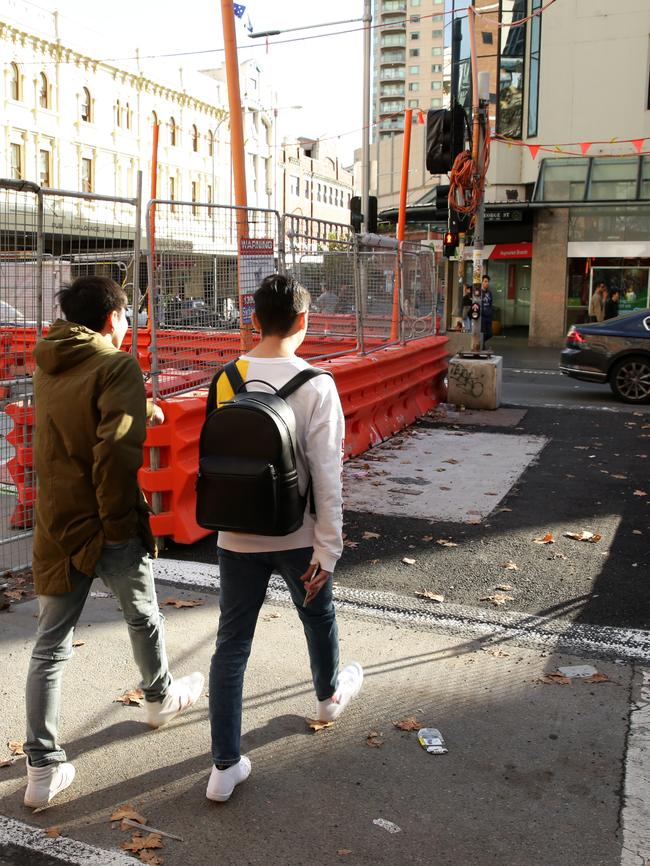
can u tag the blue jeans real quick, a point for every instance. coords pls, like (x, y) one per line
(244, 581)
(126, 571)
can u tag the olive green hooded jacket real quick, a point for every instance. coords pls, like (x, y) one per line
(90, 428)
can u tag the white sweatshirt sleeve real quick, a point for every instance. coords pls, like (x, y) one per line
(324, 453)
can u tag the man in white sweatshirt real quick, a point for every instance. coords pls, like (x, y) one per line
(305, 558)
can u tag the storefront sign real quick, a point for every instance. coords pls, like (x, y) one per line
(523, 250)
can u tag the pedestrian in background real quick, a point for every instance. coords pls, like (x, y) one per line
(611, 305)
(92, 519)
(486, 309)
(597, 304)
(465, 308)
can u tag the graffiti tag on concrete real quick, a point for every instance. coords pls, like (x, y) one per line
(467, 380)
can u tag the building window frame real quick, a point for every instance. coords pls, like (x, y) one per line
(86, 107)
(43, 91)
(210, 139)
(516, 13)
(16, 161)
(195, 138)
(87, 171)
(173, 132)
(45, 177)
(15, 82)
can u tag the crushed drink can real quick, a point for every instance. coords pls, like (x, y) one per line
(432, 741)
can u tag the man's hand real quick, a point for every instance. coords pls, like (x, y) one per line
(157, 416)
(314, 580)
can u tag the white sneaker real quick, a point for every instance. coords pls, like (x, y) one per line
(222, 782)
(44, 783)
(348, 686)
(181, 695)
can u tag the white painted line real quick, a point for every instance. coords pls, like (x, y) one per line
(431, 474)
(67, 851)
(635, 814)
(520, 628)
(533, 372)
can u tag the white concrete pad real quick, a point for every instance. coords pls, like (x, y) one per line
(433, 475)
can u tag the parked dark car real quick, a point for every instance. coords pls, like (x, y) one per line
(616, 351)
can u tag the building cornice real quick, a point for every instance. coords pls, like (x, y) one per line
(62, 54)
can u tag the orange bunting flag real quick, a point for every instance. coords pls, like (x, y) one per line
(584, 146)
(638, 144)
(534, 150)
(421, 117)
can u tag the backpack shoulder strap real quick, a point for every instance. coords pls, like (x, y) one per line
(299, 379)
(234, 376)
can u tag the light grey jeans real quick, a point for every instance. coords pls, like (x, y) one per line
(126, 570)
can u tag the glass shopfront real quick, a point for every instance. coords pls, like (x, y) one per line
(510, 286)
(629, 277)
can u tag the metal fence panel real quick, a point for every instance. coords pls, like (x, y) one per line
(195, 277)
(47, 239)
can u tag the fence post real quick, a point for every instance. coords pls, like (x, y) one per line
(135, 300)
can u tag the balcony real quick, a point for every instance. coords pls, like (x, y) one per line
(390, 56)
(391, 107)
(394, 73)
(396, 124)
(390, 90)
(389, 6)
(393, 40)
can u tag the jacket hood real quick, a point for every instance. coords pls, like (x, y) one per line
(67, 345)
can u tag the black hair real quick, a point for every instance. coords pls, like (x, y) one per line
(90, 300)
(485, 277)
(278, 301)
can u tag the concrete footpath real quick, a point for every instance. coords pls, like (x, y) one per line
(537, 774)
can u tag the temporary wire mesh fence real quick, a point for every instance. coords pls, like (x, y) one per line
(197, 271)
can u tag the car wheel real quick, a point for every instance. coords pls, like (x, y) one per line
(630, 379)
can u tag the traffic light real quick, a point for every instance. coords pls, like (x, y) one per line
(445, 137)
(356, 217)
(449, 244)
(356, 214)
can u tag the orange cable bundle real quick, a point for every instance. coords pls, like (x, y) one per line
(466, 182)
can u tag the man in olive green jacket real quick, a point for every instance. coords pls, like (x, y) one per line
(91, 517)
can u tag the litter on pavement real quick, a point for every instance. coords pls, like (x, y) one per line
(432, 740)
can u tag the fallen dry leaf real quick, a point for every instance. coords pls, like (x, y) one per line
(620, 477)
(138, 842)
(132, 698)
(16, 748)
(639, 493)
(182, 602)
(76, 643)
(556, 679)
(497, 653)
(53, 832)
(497, 599)
(451, 460)
(510, 565)
(596, 678)
(373, 561)
(503, 587)
(545, 539)
(126, 810)
(409, 724)
(374, 740)
(316, 725)
(430, 596)
(408, 561)
(150, 858)
(8, 763)
(351, 544)
(367, 536)
(343, 851)
(585, 535)
(505, 509)
(445, 542)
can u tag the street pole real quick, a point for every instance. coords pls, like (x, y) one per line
(367, 77)
(477, 131)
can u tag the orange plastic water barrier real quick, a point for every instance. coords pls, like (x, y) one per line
(20, 467)
(381, 394)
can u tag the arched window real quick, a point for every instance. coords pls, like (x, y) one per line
(86, 105)
(173, 130)
(210, 138)
(118, 113)
(14, 86)
(43, 91)
(195, 139)
(127, 112)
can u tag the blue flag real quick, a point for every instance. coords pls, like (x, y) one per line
(239, 10)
